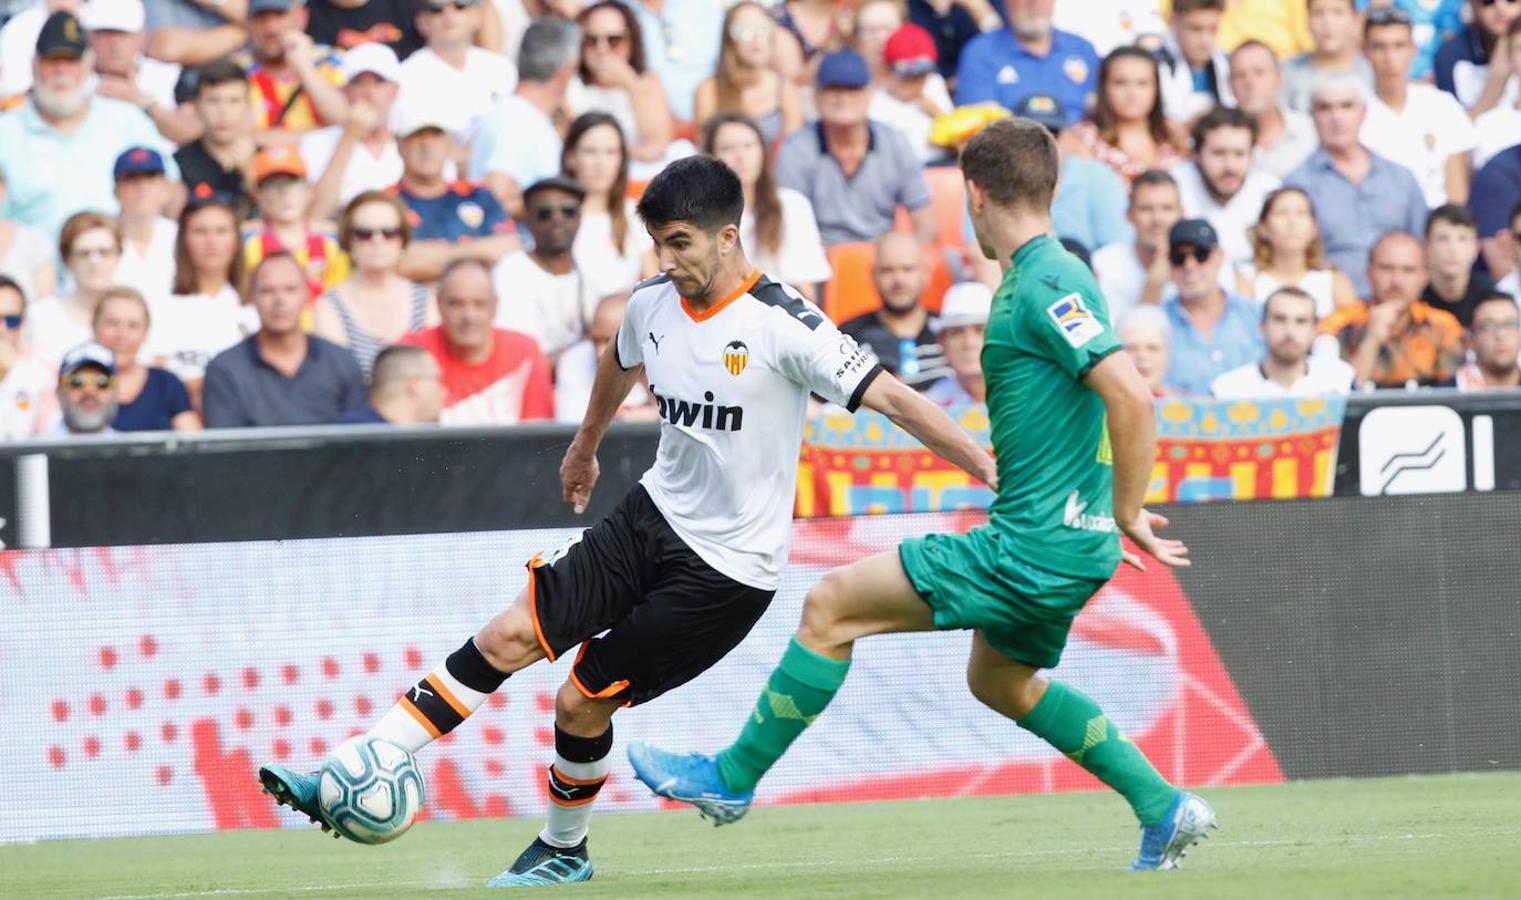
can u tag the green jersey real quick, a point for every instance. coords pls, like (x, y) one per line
(1048, 327)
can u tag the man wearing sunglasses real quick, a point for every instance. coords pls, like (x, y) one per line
(25, 394)
(86, 391)
(452, 66)
(542, 291)
(1213, 330)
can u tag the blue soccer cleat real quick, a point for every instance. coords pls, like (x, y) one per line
(1188, 821)
(295, 790)
(689, 778)
(542, 865)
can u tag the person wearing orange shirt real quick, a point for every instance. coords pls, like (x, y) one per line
(1395, 340)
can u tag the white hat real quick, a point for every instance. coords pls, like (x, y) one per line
(368, 57)
(967, 303)
(113, 15)
(414, 111)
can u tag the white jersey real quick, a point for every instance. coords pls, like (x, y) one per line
(732, 386)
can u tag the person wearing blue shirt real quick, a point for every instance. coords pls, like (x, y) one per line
(1091, 199)
(1358, 194)
(58, 149)
(1029, 57)
(1213, 330)
(448, 220)
(1494, 199)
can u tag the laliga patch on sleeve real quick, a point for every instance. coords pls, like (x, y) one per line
(1078, 324)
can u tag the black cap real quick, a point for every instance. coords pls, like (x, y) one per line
(1194, 233)
(62, 37)
(557, 183)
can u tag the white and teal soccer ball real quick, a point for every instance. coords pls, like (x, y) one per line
(370, 790)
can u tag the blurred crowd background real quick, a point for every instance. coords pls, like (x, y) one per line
(235, 213)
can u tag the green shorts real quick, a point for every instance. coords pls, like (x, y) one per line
(1023, 611)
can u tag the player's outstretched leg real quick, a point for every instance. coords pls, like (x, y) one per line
(558, 855)
(1067, 719)
(871, 596)
(435, 705)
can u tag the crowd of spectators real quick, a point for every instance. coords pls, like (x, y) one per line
(231, 213)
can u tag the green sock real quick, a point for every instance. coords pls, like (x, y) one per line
(1070, 721)
(800, 687)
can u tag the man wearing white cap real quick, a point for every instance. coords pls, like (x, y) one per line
(360, 154)
(963, 319)
(124, 72)
(452, 66)
(450, 219)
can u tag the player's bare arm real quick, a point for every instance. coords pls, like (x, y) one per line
(1133, 436)
(909, 410)
(579, 470)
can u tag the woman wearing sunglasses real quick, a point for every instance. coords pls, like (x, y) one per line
(25, 385)
(91, 248)
(614, 79)
(375, 306)
(746, 81)
(148, 398)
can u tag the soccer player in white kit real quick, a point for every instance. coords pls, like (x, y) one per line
(685, 565)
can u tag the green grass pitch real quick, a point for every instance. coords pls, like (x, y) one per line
(1427, 837)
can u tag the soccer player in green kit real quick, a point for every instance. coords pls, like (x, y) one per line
(1074, 434)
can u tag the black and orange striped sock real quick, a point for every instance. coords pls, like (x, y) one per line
(443, 699)
(579, 771)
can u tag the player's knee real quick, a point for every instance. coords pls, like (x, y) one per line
(823, 625)
(508, 641)
(579, 714)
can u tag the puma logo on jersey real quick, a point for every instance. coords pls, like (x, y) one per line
(690, 414)
(656, 341)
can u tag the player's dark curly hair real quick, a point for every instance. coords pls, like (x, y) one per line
(696, 189)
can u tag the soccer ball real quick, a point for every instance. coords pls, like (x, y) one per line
(370, 790)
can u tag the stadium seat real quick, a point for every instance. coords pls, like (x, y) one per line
(850, 292)
(947, 202)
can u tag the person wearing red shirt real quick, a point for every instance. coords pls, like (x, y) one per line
(492, 376)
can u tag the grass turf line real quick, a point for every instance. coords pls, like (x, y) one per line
(1419, 837)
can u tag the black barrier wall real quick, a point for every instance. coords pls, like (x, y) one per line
(1358, 630)
(275, 484)
(262, 484)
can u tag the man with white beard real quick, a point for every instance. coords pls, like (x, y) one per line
(58, 149)
(86, 391)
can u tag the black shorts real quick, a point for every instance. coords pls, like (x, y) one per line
(668, 615)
